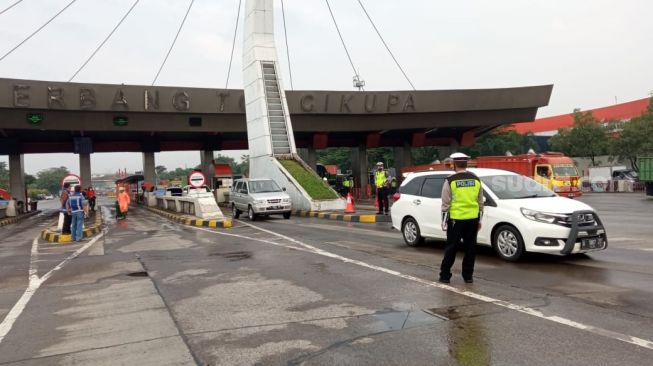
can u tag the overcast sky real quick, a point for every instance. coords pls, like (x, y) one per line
(594, 52)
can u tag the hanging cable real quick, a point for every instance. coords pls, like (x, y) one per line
(233, 45)
(285, 34)
(386, 45)
(341, 39)
(11, 6)
(103, 42)
(174, 41)
(36, 31)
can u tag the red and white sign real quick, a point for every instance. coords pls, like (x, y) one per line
(73, 179)
(196, 179)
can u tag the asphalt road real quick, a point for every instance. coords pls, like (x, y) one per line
(317, 292)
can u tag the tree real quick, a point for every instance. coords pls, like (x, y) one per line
(29, 180)
(588, 138)
(50, 179)
(425, 155)
(160, 170)
(500, 142)
(635, 139)
(4, 175)
(339, 156)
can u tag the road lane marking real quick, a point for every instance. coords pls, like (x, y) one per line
(35, 282)
(640, 342)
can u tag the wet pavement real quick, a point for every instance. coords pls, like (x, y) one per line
(316, 292)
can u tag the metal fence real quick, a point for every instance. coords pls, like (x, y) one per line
(613, 186)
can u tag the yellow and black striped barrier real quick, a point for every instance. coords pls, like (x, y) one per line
(55, 237)
(214, 224)
(368, 219)
(14, 219)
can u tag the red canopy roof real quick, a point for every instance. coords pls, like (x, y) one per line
(623, 111)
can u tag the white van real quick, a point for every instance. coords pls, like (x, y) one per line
(520, 215)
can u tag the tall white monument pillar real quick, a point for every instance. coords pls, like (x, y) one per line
(269, 129)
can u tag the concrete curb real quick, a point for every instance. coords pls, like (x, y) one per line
(12, 220)
(367, 219)
(55, 237)
(214, 224)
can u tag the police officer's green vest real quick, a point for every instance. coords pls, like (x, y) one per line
(465, 188)
(346, 183)
(380, 178)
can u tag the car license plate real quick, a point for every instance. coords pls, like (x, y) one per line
(591, 243)
(571, 195)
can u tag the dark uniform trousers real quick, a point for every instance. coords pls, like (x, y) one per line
(456, 230)
(382, 199)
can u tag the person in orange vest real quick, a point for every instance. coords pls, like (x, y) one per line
(123, 204)
(90, 196)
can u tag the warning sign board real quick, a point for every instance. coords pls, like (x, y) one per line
(196, 179)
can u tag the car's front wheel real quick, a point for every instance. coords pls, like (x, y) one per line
(251, 214)
(411, 233)
(508, 243)
(235, 212)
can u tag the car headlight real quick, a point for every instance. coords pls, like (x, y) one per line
(549, 218)
(286, 200)
(259, 202)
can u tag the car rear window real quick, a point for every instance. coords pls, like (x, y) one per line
(412, 187)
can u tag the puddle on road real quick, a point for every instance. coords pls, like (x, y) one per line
(232, 256)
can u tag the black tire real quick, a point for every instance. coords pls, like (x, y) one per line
(235, 212)
(508, 243)
(286, 215)
(411, 233)
(251, 214)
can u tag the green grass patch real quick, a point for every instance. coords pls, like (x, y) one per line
(312, 184)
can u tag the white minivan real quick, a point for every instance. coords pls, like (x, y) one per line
(520, 215)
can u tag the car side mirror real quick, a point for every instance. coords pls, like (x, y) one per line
(283, 189)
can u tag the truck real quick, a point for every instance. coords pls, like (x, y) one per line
(646, 173)
(552, 169)
(598, 174)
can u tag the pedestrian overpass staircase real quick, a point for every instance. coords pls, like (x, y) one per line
(279, 131)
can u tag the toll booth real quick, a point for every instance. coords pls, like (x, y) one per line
(223, 179)
(133, 186)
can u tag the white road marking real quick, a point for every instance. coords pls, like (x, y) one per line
(644, 343)
(35, 282)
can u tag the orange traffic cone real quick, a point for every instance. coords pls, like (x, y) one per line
(350, 204)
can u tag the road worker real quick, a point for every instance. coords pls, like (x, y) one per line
(462, 210)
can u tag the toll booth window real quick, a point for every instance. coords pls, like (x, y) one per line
(412, 187)
(432, 187)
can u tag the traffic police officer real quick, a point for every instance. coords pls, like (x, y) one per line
(381, 184)
(462, 210)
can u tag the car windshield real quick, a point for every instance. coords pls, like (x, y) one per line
(565, 171)
(508, 187)
(263, 186)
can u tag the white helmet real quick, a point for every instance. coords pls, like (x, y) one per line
(379, 164)
(459, 156)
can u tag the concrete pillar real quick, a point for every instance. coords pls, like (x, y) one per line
(85, 169)
(149, 173)
(445, 151)
(403, 157)
(206, 163)
(359, 168)
(311, 158)
(17, 178)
